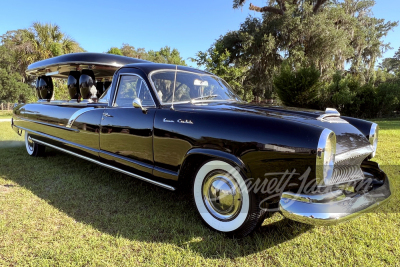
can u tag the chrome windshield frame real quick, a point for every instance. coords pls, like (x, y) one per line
(188, 101)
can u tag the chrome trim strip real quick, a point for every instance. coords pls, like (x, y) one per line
(76, 115)
(66, 63)
(52, 73)
(48, 124)
(366, 150)
(59, 139)
(141, 164)
(106, 165)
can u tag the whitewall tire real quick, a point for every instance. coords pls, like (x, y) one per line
(33, 149)
(223, 201)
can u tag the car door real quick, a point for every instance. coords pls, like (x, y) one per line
(126, 136)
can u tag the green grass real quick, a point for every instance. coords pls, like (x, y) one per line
(5, 114)
(61, 210)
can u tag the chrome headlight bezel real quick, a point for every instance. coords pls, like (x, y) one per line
(373, 138)
(326, 151)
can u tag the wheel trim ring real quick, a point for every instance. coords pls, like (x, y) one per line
(29, 144)
(222, 226)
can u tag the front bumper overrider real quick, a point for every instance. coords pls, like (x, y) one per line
(337, 205)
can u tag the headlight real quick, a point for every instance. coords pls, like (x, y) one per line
(325, 156)
(373, 137)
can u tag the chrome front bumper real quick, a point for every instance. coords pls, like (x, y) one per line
(335, 206)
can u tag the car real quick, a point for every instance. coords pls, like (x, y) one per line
(186, 130)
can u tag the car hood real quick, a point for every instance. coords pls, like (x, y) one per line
(348, 137)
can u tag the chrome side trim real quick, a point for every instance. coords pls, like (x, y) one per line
(76, 115)
(366, 150)
(106, 165)
(48, 124)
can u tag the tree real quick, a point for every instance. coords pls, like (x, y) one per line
(115, 51)
(297, 88)
(40, 41)
(13, 89)
(166, 55)
(326, 34)
(392, 64)
(130, 51)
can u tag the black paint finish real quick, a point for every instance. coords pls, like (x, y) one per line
(159, 142)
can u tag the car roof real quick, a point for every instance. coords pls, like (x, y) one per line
(103, 65)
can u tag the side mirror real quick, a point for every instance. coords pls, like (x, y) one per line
(137, 103)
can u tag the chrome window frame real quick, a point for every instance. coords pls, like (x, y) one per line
(185, 71)
(117, 88)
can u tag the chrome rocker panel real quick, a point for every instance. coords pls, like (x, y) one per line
(334, 207)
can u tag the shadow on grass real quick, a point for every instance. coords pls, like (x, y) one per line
(122, 206)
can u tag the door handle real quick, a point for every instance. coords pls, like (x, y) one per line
(107, 115)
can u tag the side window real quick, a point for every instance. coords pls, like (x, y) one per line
(131, 87)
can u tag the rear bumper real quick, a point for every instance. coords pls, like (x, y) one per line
(336, 206)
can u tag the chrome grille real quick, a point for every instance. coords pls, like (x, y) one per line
(348, 166)
(354, 161)
(343, 174)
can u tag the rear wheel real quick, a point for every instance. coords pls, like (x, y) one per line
(223, 200)
(33, 149)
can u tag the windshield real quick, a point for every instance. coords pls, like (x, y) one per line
(191, 87)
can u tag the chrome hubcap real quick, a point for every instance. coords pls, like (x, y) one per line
(222, 195)
(30, 143)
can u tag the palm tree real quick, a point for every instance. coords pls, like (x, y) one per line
(40, 41)
(49, 41)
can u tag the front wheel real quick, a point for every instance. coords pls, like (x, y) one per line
(223, 200)
(33, 149)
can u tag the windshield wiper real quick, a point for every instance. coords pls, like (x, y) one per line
(203, 98)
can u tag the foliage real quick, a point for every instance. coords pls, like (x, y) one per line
(12, 89)
(40, 41)
(216, 62)
(392, 65)
(297, 88)
(115, 51)
(164, 55)
(326, 34)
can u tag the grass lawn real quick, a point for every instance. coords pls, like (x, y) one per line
(61, 210)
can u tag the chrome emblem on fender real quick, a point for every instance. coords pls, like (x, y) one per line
(185, 121)
(165, 120)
